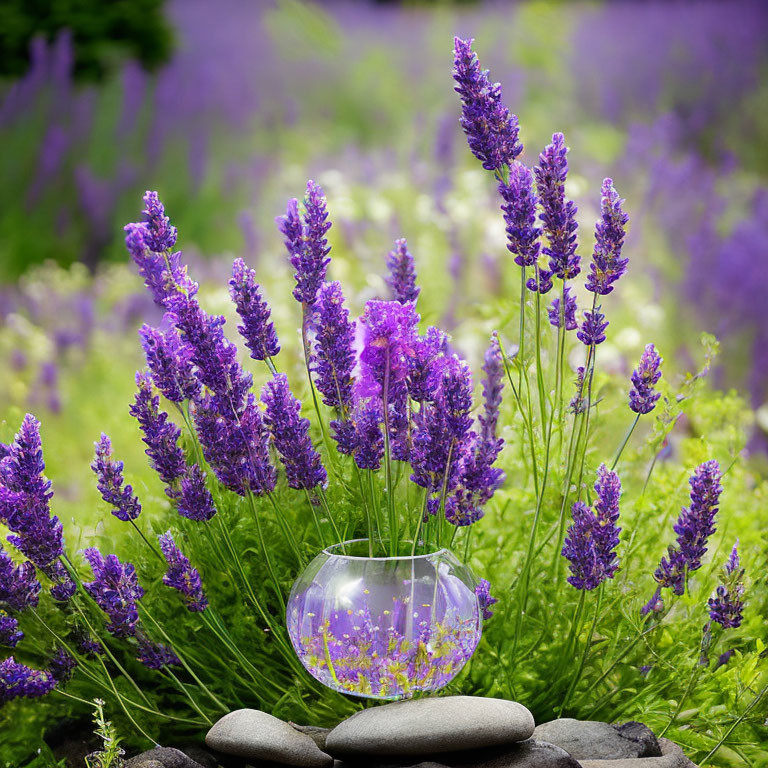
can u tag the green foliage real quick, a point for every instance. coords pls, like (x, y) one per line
(110, 756)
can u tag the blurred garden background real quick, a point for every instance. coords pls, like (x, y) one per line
(228, 107)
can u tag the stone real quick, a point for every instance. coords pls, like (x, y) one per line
(643, 735)
(257, 735)
(592, 740)
(431, 726)
(525, 754)
(165, 757)
(317, 734)
(671, 757)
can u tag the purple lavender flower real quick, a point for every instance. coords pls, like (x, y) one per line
(694, 526)
(492, 132)
(159, 434)
(237, 450)
(655, 604)
(569, 312)
(388, 342)
(19, 681)
(25, 495)
(642, 398)
(181, 576)
(64, 586)
(160, 234)
(579, 549)
(519, 208)
(193, 499)
(592, 331)
(424, 369)
(608, 492)
(62, 666)
(116, 590)
(402, 273)
(607, 265)
(156, 655)
(369, 436)
(86, 644)
(541, 282)
(109, 473)
(214, 356)
(306, 242)
(485, 599)
(726, 605)
(578, 403)
(558, 215)
(456, 396)
(257, 329)
(10, 635)
(170, 361)
(290, 432)
(334, 358)
(19, 587)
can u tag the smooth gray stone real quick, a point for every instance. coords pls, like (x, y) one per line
(317, 734)
(431, 726)
(166, 757)
(592, 740)
(671, 757)
(643, 735)
(256, 735)
(525, 754)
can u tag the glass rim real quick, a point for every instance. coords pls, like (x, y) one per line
(335, 550)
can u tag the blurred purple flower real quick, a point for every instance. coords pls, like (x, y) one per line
(569, 313)
(402, 273)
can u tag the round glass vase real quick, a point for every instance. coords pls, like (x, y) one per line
(384, 627)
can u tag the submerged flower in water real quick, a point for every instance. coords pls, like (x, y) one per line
(519, 208)
(402, 273)
(484, 597)
(607, 265)
(592, 331)
(20, 681)
(116, 590)
(109, 473)
(569, 310)
(726, 605)
(492, 132)
(181, 576)
(257, 328)
(642, 397)
(558, 215)
(694, 526)
(290, 433)
(306, 242)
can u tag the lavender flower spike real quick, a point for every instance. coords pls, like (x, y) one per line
(569, 313)
(369, 437)
(257, 329)
(194, 500)
(607, 265)
(181, 576)
(608, 492)
(109, 473)
(290, 432)
(306, 242)
(642, 397)
(160, 234)
(19, 681)
(492, 132)
(519, 209)
(579, 549)
(558, 214)
(10, 634)
(402, 273)
(694, 526)
(485, 599)
(170, 361)
(726, 604)
(592, 331)
(19, 587)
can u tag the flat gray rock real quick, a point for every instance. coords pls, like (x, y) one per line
(671, 757)
(431, 726)
(317, 734)
(166, 757)
(525, 754)
(592, 740)
(256, 735)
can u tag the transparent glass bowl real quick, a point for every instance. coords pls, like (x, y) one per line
(384, 627)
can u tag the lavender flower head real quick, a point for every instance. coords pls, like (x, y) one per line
(558, 215)
(694, 526)
(726, 605)
(642, 397)
(607, 265)
(579, 549)
(170, 361)
(116, 590)
(193, 499)
(608, 494)
(425, 364)
(369, 437)
(109, 474)
(62, 666)
(10, 634)
(257, 328)
(181, 576)
(569, 311)
(519, 209)
(290, 433)
(541, 282)
(160, 234)
(156, 655)
(19, 587)
(20, 681)
(592, 331)
(25, 495)
(484, 598)
(306, 242)
(492, 132)
(402, 273)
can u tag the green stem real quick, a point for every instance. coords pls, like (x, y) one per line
(626, 440)
(147, 542)
(265, 551)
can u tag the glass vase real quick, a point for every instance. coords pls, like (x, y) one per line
(384, 627)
